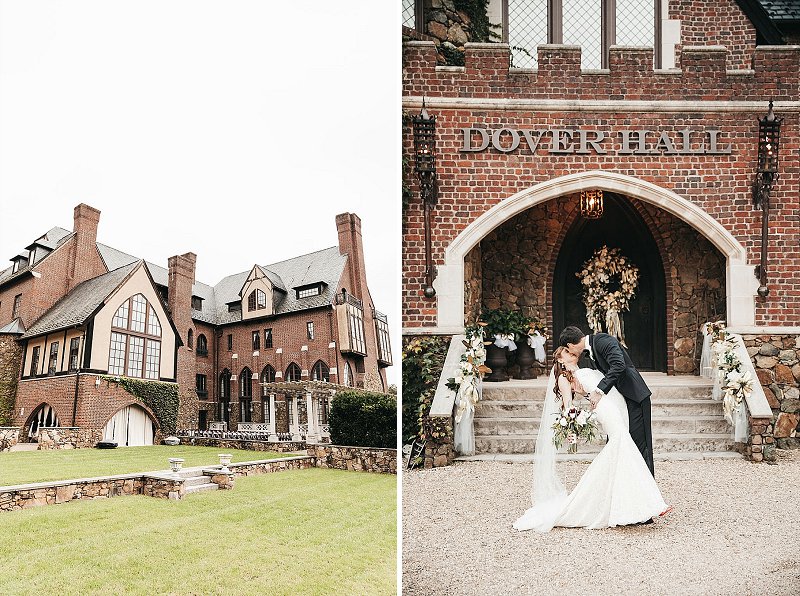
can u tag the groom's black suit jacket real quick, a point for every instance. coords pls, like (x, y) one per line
(618, 368)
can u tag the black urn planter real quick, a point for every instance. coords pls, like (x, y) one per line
(525, 359)
(497, 360)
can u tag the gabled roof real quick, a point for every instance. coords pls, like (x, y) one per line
(764, 19)
(273, 278)
(782, 10)
(325, 266)
(52, 239)
(81, 303)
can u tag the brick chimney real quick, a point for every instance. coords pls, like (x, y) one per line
(348, 225)
(179, 298)
(84, 262)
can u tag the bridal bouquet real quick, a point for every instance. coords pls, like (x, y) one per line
(580, 423)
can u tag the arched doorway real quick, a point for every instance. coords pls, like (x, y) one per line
(43, 417)
(620, 227)
(130, 427)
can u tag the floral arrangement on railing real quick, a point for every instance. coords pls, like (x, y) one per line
(471, 369)
(733, 383)
(537, 338)
(609, 282)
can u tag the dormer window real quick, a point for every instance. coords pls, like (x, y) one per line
(257, 300)
(20, 263)
(308, 291)
(235, 307)
(197, 303)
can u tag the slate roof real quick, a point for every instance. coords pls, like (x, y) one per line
(324, 266)
(51, 239)
(77, 306)
(15, 327)
(782, 10)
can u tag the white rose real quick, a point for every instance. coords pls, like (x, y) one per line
(563, 421)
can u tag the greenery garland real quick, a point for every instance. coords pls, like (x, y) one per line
(423, 359)
(161, 398)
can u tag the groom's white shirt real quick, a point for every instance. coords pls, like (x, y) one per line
(589, 349)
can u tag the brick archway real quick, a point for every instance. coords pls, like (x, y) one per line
(741, 284)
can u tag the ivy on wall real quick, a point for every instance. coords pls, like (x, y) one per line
(161, 398)
(423, 359)
(480, 29)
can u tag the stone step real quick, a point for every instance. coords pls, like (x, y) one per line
(24, 447)
(587, 457)
(200, 488)
(530, 408)
(511, 391)
(662, 443)
(197, 480)
(667, 424)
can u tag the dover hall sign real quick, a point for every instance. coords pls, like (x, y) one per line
(631, 141)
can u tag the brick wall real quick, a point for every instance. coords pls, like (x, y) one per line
(470, 184)
(181, 279)
(715, 22)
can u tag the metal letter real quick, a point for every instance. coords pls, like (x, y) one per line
(687, 143)
(640, 138)
(562, 140)
(467, 132)
(514, 139)
(712, 145)
(664, 144)
(598, 138)
(533, 143)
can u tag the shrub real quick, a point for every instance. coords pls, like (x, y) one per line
(423, 358)
(364, 419)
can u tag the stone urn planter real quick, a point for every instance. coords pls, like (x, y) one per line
(175, 464)
(224, 461)
(497, 360)
(525, 360)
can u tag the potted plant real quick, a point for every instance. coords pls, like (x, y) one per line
(530, 346)
(499, 342)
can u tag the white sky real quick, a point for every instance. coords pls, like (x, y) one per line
(236, 130)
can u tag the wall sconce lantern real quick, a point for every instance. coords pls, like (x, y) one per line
(769, 132)
(425, 166)
(592, 204)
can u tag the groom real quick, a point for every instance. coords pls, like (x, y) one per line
(614, 362)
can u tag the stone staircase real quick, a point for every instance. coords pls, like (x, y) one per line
(196, 481)
(24, 447)
(686, 422)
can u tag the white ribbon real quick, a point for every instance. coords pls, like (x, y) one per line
(505, 341)
(537, 341)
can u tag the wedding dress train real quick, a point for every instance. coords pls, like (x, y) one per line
(617, 487)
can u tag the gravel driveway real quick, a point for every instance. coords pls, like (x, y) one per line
(734, 531)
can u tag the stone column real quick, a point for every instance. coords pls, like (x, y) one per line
(272, 432)
(295, 422)
(311, 414)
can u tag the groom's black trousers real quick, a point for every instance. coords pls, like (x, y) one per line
(640, 429)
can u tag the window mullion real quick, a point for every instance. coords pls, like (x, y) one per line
(555, 22)
(609, 29)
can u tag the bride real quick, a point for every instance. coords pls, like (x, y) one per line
(617, 488)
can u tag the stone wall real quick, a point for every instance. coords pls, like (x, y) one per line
(354, 459)
(10, 360)
(68, 438)
(280, 447)
(50, 493)
(163, 487)
(777, 362)
(448, 28)
(267, 466)
(9, 436)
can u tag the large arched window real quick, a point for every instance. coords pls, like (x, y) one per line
(224, 394)
(257, 300)
(246, 395)
(44, 416)
(293, 372)
(267, 376)
(135, 349)
(202, 345)
(320, 372)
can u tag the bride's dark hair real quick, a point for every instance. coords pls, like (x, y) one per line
(560, 369)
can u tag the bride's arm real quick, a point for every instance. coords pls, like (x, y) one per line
(566, 392)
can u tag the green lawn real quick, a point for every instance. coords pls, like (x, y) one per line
(299, 532)
(21, 467)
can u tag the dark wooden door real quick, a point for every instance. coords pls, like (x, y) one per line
(645, 324)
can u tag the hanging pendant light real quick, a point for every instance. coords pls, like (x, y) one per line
(592, 204)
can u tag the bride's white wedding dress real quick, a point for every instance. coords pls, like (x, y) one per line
(617, 487)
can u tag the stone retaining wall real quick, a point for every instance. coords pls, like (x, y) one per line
(163, 487)
(279, 447)
(777, 362)
(9, 436)
(68, 437)
(354, 459)
(250, 468)
(25, 496)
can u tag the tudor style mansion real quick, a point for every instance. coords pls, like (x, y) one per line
(95, 341)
